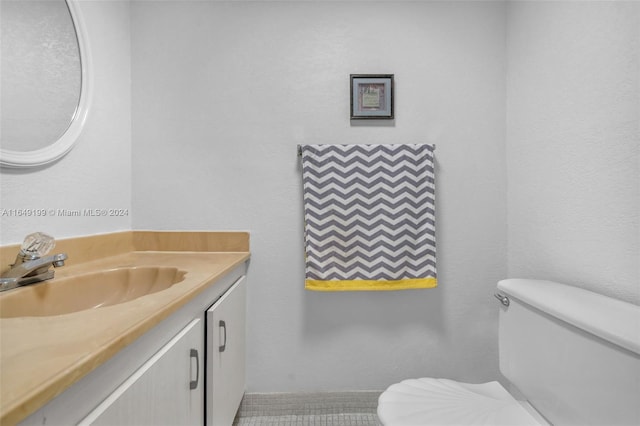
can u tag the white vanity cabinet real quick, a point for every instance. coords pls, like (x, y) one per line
(167, 389)
(225, 367)
(184, 371)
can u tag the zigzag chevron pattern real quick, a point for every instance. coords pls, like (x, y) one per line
(369, 212)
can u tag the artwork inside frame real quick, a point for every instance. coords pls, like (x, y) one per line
(372, 96)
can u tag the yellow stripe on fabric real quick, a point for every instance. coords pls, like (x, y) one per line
(366, 285)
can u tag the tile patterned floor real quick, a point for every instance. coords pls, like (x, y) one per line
(309, 409)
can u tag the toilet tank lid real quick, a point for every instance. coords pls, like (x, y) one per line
(610, 319)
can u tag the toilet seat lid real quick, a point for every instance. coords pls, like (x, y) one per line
(428, 401)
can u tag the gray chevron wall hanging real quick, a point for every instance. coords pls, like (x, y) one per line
(369, 213)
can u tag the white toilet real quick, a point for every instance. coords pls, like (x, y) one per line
(574, 355)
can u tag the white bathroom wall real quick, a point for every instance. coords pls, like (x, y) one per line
(96, 174)
(222, 94)
(573, 136)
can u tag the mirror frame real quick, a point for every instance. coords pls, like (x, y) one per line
(60, 147)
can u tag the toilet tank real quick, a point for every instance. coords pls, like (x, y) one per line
(573, 354)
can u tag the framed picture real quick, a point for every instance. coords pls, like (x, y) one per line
(371, 96)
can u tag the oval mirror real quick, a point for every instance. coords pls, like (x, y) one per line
(44, 80)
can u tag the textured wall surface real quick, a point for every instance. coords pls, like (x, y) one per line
(223, 92)
(96, 174)
(573, 136)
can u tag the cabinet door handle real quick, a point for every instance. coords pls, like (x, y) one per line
(223, 326)
(193, 384)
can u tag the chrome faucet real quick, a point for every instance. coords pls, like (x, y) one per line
(30, 267)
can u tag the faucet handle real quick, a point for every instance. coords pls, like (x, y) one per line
(58, 259)
(38, 244)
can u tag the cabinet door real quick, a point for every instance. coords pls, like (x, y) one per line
(166, 390)
(225, 375)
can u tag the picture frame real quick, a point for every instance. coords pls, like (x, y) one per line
(372, 97)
